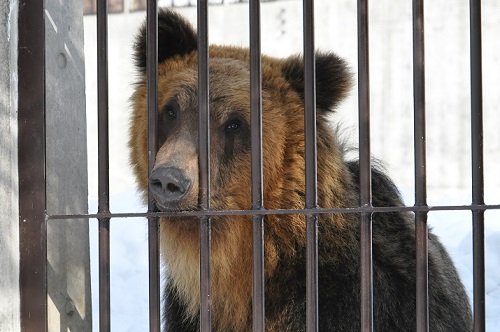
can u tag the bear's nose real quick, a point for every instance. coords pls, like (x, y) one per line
(168, 185)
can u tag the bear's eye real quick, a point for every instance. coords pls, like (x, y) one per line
(171, 112)
(167, 120)
(232, 126)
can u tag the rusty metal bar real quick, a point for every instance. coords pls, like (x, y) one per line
(31, 167)
(281, 212)
(152, 104)
(103, 164)
(258, 297)
(204, 166)
(366, 259)
(477, 165)
(421, 229)
(311, 168)
(104, 276)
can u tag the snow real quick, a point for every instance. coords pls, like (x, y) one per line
(128, 268)
(448, 122)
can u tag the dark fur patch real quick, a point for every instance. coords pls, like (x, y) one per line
(333, 79)
(175, 37)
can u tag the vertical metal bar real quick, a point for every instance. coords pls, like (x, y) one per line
(311, 168)
(477, 164)
(152, 104)
(103, 163)
(31, 167)
(204, 162)
(421, 229)
(366, 259)
(258, 300)
(104, 273)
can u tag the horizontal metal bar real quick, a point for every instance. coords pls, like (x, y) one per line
(384, 209)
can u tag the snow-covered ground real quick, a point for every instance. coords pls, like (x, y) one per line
(448, 147)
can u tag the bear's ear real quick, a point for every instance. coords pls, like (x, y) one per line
(333, 79)
(175, 37)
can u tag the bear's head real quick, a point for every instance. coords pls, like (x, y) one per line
(174, 180)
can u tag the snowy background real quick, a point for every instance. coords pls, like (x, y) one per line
(448, 123)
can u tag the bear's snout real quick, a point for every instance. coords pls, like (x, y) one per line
(168, 186)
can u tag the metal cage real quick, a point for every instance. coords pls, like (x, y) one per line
(33, 216)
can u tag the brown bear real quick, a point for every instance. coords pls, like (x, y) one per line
(174, 186)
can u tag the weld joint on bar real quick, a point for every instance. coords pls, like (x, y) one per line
(423, 206)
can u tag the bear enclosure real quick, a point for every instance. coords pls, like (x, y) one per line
(32, 151)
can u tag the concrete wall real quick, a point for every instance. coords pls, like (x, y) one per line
(68, 270)
(68, 246)
(9, 226)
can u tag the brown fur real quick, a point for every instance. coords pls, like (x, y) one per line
(283, 150)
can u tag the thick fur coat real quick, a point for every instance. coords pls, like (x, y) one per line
(175, 187)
